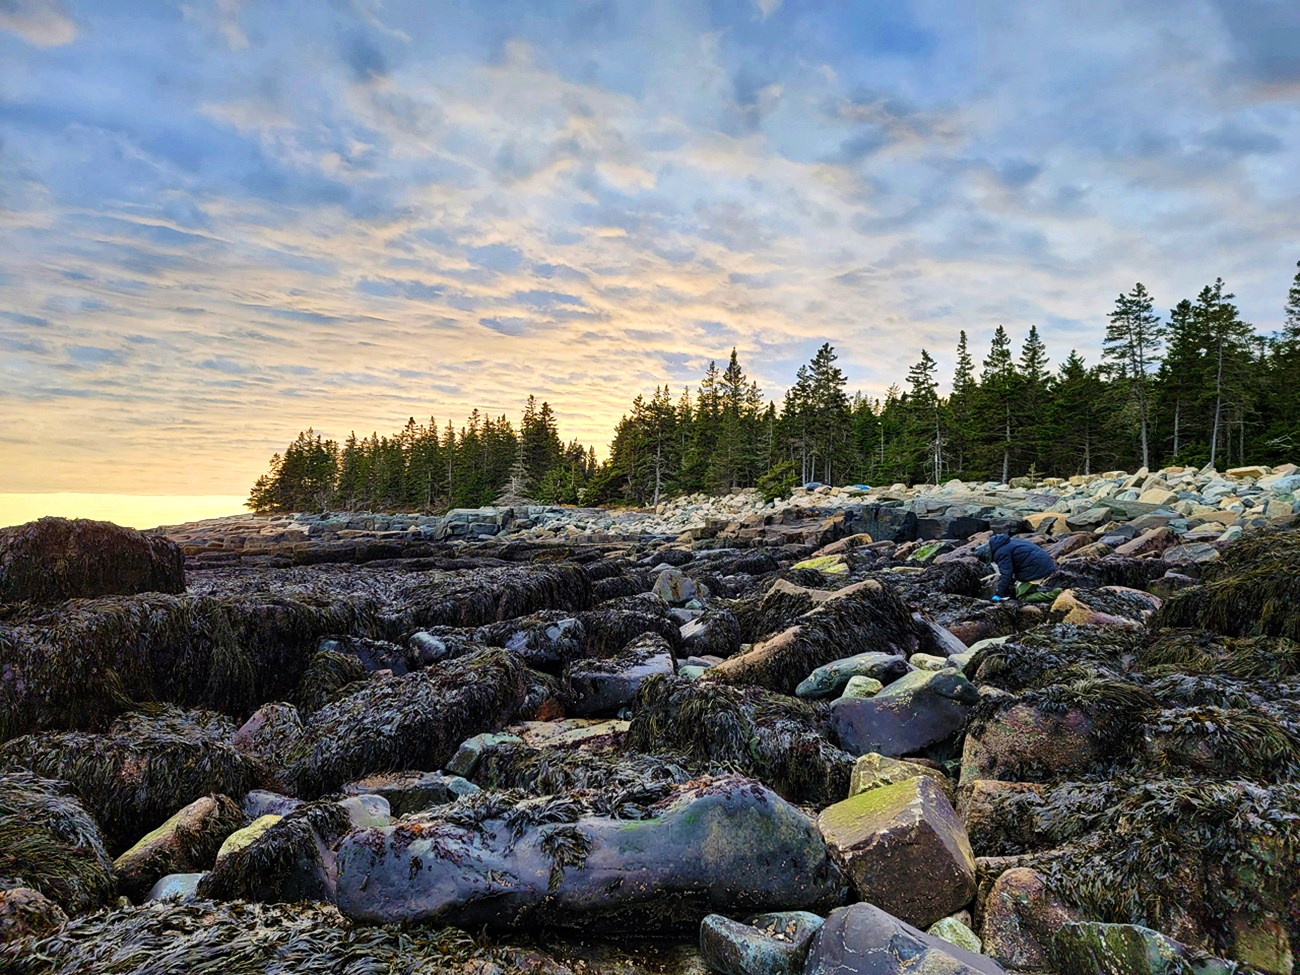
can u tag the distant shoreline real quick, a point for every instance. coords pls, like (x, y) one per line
(129, 510)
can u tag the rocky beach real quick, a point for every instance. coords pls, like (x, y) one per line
(719, 735)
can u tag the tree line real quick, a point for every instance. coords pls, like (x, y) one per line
(1197, 386)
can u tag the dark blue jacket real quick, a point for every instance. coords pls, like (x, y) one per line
(1018, 561)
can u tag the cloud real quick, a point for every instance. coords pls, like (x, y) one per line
(39, 22)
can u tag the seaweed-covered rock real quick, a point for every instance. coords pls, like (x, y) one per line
(857, 619)
(865, 940)
(330, 676)
(724, 844)
(49, 842)
(139, 769)
(1093, 948)
(920, 709)
(1026, 743)
(257, 939)
(270, 733)
(599, 686)
(291, 859)
(714, 633)
(55, 559)
(409, 792)
(904, 849)
(25, 912)
(187, 841)
(829, 679)
(779, 740)
(415, 721)
(770, 944)
(1021, 916)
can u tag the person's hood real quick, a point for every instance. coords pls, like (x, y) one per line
(997, 541)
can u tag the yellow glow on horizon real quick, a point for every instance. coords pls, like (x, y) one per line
(129, 510)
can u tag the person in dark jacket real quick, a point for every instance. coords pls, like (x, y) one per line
(1018, 562)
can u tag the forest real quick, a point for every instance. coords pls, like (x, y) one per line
(1195, 387)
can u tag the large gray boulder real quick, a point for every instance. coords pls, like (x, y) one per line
(829, 679)
(54, 559)
(770, 944)
(723, 844)
(601, 686)
(918, 710)
(864, 940)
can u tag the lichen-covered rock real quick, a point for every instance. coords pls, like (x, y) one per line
(601, 686)
(247, 835)
(187, 841)
(770, 944)
(920, 709)
(872, 770)
(1021, 917)
(49, 842)
(955, 932)
(828, 679)
(25, 912)
(415, 721)
(55, 559)
(904, 849)
(716, 845)
(860, 686)
(865, 940)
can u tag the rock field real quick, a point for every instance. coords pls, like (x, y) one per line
(723, 735)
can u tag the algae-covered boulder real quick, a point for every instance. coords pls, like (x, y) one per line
(1021, 917)
(270, 734)
(770, 944)
(49, 842)
(141, 769)
(872, 771)
(828, 679)
(920, 709)
(409, 792)
(779, 740)
(1023, 743)
(904, 849)
(865, 617)
(600, 686)
(290, 859)
(1093, 948)
(25, 912)
(414, 721)
(188, 841)
(864, 940)
(715, 845)
(55, 559)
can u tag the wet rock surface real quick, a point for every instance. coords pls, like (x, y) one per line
(499, 724)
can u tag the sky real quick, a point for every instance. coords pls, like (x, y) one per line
(222, 221)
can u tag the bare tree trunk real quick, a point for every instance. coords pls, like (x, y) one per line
(1178, 411)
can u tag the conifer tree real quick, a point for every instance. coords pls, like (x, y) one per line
(1132, 344)
(925, 447)
(998, 390)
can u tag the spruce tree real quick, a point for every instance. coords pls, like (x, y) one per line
(925, 433)
(999, 386)
(1227, 339)
(1132, 344)
(1034, 387)
(961, 404)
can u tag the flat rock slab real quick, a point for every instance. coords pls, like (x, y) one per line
(904, 849)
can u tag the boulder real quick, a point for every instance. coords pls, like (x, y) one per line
(860, 686)
(181, 888)
(409, 792)
(770, 944)
(28, 913)
(904, 849)
(241, 838)
(54, 559)
(1023, 743)
(1094, 948)
(676, 588)
(714, 633)
(260, 802)
(270, 734)
(864, 940)
(957, 933)
(828, 679)
(187, 841)
(921, 709)
(724, 845)
(473, 750)
(600, 686)
(871, 771)
(1149, 543)
(1021, 916)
